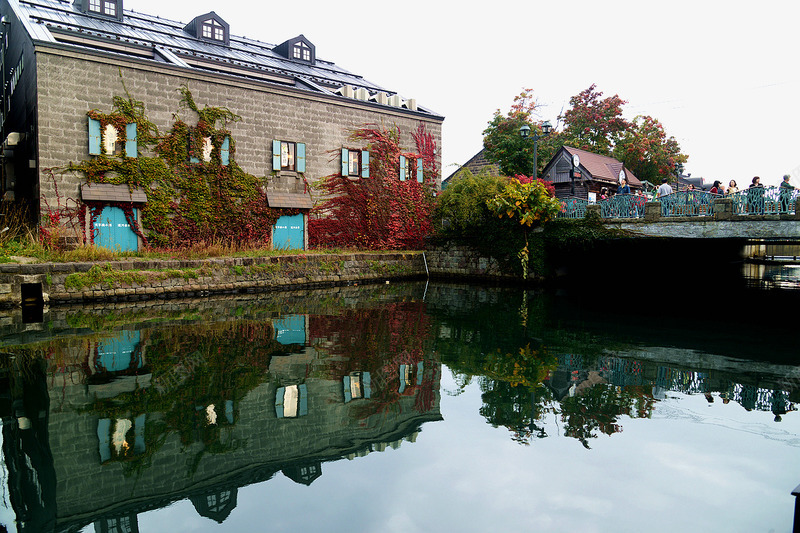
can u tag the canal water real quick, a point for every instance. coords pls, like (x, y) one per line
(408, 407)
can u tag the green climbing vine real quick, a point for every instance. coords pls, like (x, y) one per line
(195, 194)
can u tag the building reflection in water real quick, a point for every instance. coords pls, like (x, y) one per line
(100, 427)
(152, 414)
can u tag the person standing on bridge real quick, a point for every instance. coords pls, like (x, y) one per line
(732, 187)
(664, 189)
(623, 187)
(755, 197)
(786, 195)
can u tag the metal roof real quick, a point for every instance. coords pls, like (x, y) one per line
(61, 21)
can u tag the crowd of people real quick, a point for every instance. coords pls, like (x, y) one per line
(717, 188)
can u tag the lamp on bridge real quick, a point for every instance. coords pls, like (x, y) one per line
(525, 132)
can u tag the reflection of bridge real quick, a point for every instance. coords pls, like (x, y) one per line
(766, 395)
(697, 215)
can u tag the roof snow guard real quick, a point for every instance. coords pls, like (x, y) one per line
(205, 44)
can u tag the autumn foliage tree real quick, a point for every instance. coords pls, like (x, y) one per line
(647, 151)
(380, 211)
(531, 202)
(593, 123)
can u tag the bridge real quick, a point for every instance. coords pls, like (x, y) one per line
(761, 213)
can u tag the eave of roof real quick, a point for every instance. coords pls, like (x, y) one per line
(57, 21)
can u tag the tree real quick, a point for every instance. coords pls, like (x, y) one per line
(592, 123)
(648, 152)
(504, 145)
(532, 202)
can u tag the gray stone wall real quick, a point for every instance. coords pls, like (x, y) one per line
(72, 83)
(461, 262)
(139, 279)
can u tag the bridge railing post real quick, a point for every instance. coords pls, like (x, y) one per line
(723, 208)
(652, 211)
(796, 494)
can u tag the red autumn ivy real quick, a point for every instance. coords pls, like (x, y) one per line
(381, 211)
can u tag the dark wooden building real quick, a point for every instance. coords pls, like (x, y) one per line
(592, 173)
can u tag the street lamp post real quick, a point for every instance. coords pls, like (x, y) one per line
(525, 132)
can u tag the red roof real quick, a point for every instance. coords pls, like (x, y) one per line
(603, 168)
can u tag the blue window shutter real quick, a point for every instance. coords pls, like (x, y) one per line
(301, 157)
(94, 137)
(420, 178)
(346, 388)
(365, 381)
(225, 151)
(276, 155)
(302, 391)
(138, 428)
(192, 146)
(402, 168)
(345, 162)
(402, 379)
(279, 401)
(130, 140)
(364, 164)
(104, 436)
(420, 368)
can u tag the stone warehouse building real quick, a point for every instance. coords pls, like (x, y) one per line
(63, 59)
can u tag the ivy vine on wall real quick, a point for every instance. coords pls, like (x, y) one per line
(379, 211)
(193, 196)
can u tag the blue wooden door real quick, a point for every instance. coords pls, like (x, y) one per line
(115, 354)
(113, 231)
(288, 233)
(290, 329)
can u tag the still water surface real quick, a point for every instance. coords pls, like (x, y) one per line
(407, 407)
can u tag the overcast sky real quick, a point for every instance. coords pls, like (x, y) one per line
(722, 77)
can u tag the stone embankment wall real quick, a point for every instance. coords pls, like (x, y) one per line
(136, 279)
(140, 279)
(465, 263)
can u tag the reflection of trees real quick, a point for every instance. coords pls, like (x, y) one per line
(516, 408)
(511, 388)
(379, 340)
(598, 408)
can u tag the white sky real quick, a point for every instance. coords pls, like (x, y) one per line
(722, 77)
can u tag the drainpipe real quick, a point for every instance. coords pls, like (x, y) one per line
(796, 494)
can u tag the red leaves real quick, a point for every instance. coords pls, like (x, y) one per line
(379, 212)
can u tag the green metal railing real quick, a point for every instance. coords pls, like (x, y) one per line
(688, 204)
(623, 206)
(764, 201)
(573, 208)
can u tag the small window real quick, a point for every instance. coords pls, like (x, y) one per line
(301, 51)
(103, 7)
(213, 30)
(288, 156)
(110, 141)
(355, 163)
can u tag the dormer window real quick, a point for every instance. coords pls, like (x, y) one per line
(213, 30)
(298, 48)
(209, 27)
(302, 51)
(108, 8)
